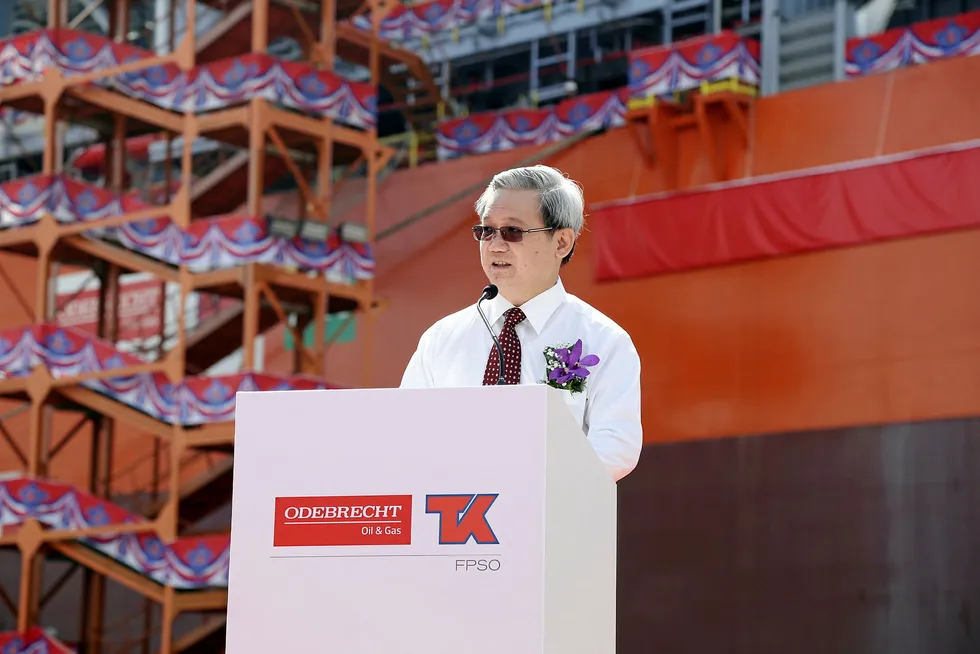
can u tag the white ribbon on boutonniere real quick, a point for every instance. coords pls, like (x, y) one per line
(565, 367)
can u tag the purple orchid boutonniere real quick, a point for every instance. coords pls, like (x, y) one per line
(567, 368)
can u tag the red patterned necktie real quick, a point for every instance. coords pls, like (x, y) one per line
(511, 345)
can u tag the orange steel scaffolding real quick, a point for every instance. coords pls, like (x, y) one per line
(272, 140)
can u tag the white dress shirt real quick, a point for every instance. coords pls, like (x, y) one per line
(454, 352)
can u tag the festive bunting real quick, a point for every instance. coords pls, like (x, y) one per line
(24, 200)
(654, 72)
(68, 352)
(189, 563)
(667, 69)
(505, 130)
(234, 240)
(420, 20)
(216, 85)
(922, 42)
(208, 244)
(34, 641)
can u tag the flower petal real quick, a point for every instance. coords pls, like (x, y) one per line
(575, 353)
(589, 360)
(580, 372)
(556, 373)
(562, 355)
(564, 378)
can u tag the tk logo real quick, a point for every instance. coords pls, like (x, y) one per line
(462, 517)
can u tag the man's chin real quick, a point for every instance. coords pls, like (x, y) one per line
(501, 275)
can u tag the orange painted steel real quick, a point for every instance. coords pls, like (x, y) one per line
(870, 334)
(110, 453)
(853, 336)
(908, 109)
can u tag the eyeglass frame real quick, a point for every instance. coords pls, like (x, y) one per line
(514, 230)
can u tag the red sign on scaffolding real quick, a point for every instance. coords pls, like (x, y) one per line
(139, 309)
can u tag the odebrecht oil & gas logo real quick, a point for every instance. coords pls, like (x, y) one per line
(343, 520)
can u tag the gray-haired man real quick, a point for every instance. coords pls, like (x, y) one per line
(530, 220)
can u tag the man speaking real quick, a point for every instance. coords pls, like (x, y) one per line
(530, 219)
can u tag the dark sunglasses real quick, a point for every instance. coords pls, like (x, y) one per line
(509, 234)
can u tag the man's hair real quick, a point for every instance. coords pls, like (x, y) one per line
(560, 200)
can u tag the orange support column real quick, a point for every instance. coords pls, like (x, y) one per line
(29, 543)
(250, 314)
(260, 26)
(653, 128)
(326, 48)
(256, 156)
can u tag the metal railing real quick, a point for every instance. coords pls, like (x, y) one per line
(412, 148)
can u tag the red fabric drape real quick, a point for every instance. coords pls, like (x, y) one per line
(866, 202)
(137, 147)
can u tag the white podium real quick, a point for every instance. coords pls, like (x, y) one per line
(429, 521)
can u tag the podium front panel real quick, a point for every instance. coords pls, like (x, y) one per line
(389, 521)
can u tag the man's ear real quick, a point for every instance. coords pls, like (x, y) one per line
(566, 241)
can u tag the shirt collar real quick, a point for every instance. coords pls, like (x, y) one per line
(538, 309)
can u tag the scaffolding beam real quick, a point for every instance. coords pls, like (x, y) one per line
(309, 145)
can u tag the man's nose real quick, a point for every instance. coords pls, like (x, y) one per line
(497, 243)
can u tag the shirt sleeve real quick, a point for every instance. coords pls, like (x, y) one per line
(613, 412)
(418, 373)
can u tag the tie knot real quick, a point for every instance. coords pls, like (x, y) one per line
(513, 316)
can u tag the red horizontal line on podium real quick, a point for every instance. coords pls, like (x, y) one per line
(343, 522)
(457, 555)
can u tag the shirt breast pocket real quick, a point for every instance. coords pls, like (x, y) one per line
(576, 404)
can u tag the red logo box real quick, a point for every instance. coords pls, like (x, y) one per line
(344, 520)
